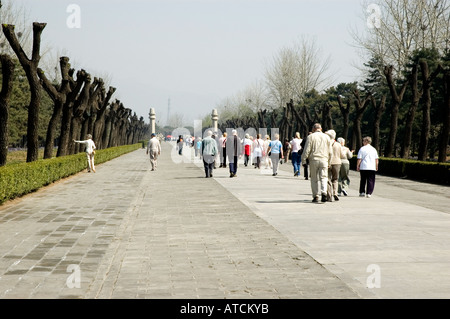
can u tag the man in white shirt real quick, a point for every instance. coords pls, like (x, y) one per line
(367, 165)
(90, 151)
(154, 148)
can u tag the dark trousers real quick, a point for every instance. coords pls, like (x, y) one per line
(367, 179)
(258, 161)
(246, 159)
(209, 166)
(233, 165)
(224, 157)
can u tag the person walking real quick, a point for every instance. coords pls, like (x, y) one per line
(367, 166)
(276, 153)
(247, 149)
(258, 150)
(198, 147)
(305, 164)
(296, 148)
(234, 152)
(90, 151)
(223, 150)
(318, 151)
(154, 149)
(209, 152)
(266, 158)
(334, 168)
(180, 145)
(344, 180)
(287, 147)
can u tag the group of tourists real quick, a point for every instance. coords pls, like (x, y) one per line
(326, 158)
(256, 151)
(329, 165)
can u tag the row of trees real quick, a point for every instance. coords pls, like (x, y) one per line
(80, 103)
(403, 101)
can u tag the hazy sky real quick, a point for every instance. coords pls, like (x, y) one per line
(195, 52)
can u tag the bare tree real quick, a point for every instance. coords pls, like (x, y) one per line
(397, 97)
(176, 120)
(7, 73)
(427, 81)
(402, 26)
(296, 70)
(360, 107)
(345, 111)
(58, 94)
(416, 94)
(15, 15)
(30, 65)
(379, 109)
(443, 143)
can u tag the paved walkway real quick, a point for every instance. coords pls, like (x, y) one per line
(127, 232)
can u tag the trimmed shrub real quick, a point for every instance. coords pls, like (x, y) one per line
(144, 143)
(432, 172)
(23, 178)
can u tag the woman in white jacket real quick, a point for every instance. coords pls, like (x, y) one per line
(258, 150)
(90, 151)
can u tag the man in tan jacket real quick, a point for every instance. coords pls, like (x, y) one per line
(318, 151)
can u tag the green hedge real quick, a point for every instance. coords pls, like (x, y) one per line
(432, 172)
(23, 178)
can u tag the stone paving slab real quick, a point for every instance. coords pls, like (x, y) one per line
(128, 232)
(402, 229)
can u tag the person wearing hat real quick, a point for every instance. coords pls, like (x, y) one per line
(90, 151)
(154, 149)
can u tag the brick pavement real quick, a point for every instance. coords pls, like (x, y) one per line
(127, 232)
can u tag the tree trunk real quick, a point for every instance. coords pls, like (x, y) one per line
(405, 152)
(303, 125)
(7, 76)
(261, 117)
(427, 80)
(379, 109)
(396, 100)
(64, 139)
(360, 107)
(443, 143)
(99, 124)
(51, 129)
(345, 111)
(59, 97)
(30, 67)
(78, 113)
(326, 116)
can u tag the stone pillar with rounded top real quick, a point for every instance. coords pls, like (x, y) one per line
(215, 120)
(152, 115)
